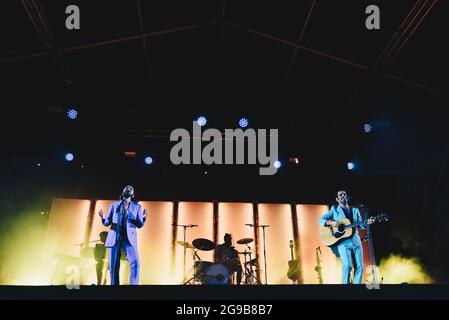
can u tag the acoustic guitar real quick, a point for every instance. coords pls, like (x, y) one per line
(293, 266)
(331, 236)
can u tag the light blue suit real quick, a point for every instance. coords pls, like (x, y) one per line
(115, 240)
(349, 246)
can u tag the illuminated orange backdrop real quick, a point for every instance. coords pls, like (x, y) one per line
(201, 214)
(71, 223)
(154, 241)
(232, 218)
(66, 229)
(278, 235)
(309, 240)
(67, 226)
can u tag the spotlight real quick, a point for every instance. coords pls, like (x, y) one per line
(69, 157)
(148, 160)
(201, 121)
(351, 166)
(277, 164)
(72, 114)
(368, 128)
(243, 123)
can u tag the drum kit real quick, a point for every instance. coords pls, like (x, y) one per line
(250, 263)
(209, 273)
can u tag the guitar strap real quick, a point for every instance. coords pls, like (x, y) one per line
(351, 211)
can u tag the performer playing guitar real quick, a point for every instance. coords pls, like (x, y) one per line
(352, 245)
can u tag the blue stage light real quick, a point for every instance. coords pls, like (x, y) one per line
(277, 164)
(243, 122)
(368, 128)
(69, 157)
(72, 114)
(148, 160)
(201, 121)
(351, 165)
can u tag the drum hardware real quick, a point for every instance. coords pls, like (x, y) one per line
(185, 244)
(252, 262)
(203, 244)
(245, 241)
(197, 263)
(200, 268)
(249, 273)
(185, 247)
(206, 272)
(263, 226)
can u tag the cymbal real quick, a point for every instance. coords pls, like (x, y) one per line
(245, 241)
(203, 244)
(185, 244)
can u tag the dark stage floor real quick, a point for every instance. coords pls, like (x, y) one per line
(180, 293)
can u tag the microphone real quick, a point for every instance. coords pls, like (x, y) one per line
(192, 225)
(249, 225)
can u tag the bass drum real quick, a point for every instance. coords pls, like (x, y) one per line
(217, 274)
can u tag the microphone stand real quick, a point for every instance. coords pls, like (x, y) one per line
(185, 249)
(249, 273)
(370, 247)
(264, 248)
(264, 251)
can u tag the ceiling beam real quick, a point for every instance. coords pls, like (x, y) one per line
(144, 40)
(290, 43)
(298, 46)
(95, 44)
(40, 23)
(402, 35)
(335, 58)
(39, 20)
(301, 36)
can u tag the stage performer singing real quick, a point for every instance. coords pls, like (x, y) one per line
(124, 216)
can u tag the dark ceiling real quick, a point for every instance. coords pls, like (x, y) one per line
(138, 69)
(219, 47)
